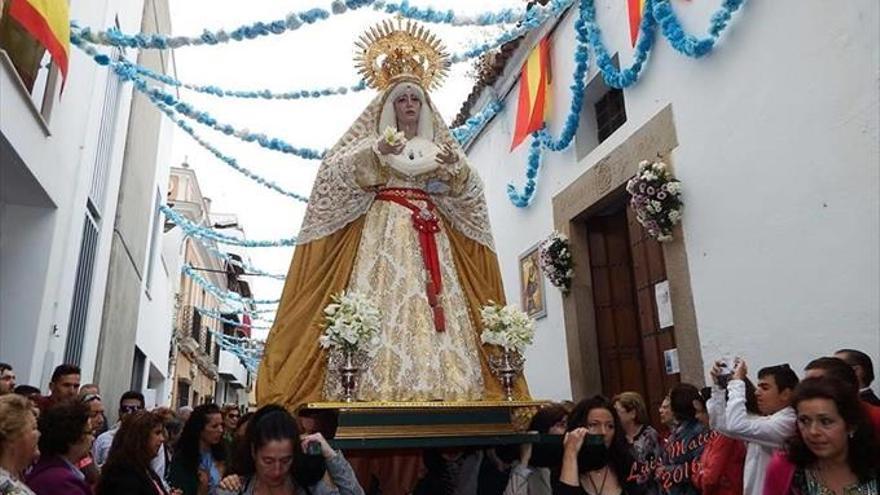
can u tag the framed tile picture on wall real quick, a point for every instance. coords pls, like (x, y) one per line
(531, 284)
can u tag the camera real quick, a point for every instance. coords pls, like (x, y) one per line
(313, 448)
(726, 373)
(594, 439)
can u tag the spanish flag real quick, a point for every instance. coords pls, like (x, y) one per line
(534, 93)
(635, 8)
(48, 21)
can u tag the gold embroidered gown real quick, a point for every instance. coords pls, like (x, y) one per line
(415, 362)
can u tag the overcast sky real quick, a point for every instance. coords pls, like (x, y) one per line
(315, 56)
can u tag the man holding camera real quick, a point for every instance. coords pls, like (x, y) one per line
(763, 434)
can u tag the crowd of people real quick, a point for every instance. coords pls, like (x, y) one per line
(61, 444)
(817, 434)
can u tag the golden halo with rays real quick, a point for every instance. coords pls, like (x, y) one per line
(386, 53)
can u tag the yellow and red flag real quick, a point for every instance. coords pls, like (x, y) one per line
(635, 9)
(48, 21)
(534, 93)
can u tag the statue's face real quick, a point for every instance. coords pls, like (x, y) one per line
(407, 107)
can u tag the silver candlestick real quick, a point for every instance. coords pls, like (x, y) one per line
(348, 372)
(506, 367)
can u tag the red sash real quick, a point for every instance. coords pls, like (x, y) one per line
(427, 225)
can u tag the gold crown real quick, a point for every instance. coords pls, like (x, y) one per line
(387, 53)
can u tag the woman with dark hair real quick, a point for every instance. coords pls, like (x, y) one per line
(239, 449)
(667, 420)
(279, 464)
(643, 439)
(596, 458)
(65, 438)
(127, 469)
(682, 452)
(199, 457)
(537, 470)
(835, 449)
(231, 414)
(241, 426)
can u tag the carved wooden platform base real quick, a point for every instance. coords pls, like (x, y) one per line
(396, 425)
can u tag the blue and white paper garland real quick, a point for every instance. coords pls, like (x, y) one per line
(295, 20)
(264, 94)
(200, 232)
(251, 270)
(222, 294)
(216, 315)
(466, 131)
(588, 33)
(249, 351)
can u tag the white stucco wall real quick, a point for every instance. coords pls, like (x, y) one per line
(62, 165)
(778, 153)
(230, 364)
(156, 310)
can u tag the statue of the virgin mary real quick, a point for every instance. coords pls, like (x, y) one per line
(397, 215)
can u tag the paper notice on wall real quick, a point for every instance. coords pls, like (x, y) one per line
(150, 398)
(664, 304)
(670, 361)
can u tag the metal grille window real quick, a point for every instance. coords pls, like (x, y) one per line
(137, 369)
(610, 113)
(182, 393)
(196, 330)
(79, 311)
(152, 254)
(104, 147)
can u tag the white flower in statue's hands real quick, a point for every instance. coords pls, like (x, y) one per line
(393, 136)
(391, 142)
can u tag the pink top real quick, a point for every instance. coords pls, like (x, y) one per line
(780, 473)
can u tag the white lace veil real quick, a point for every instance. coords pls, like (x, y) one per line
(337, 199)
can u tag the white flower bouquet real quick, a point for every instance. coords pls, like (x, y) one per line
(656, 199)
(351, 324)
(554, 255)
(506, 327)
